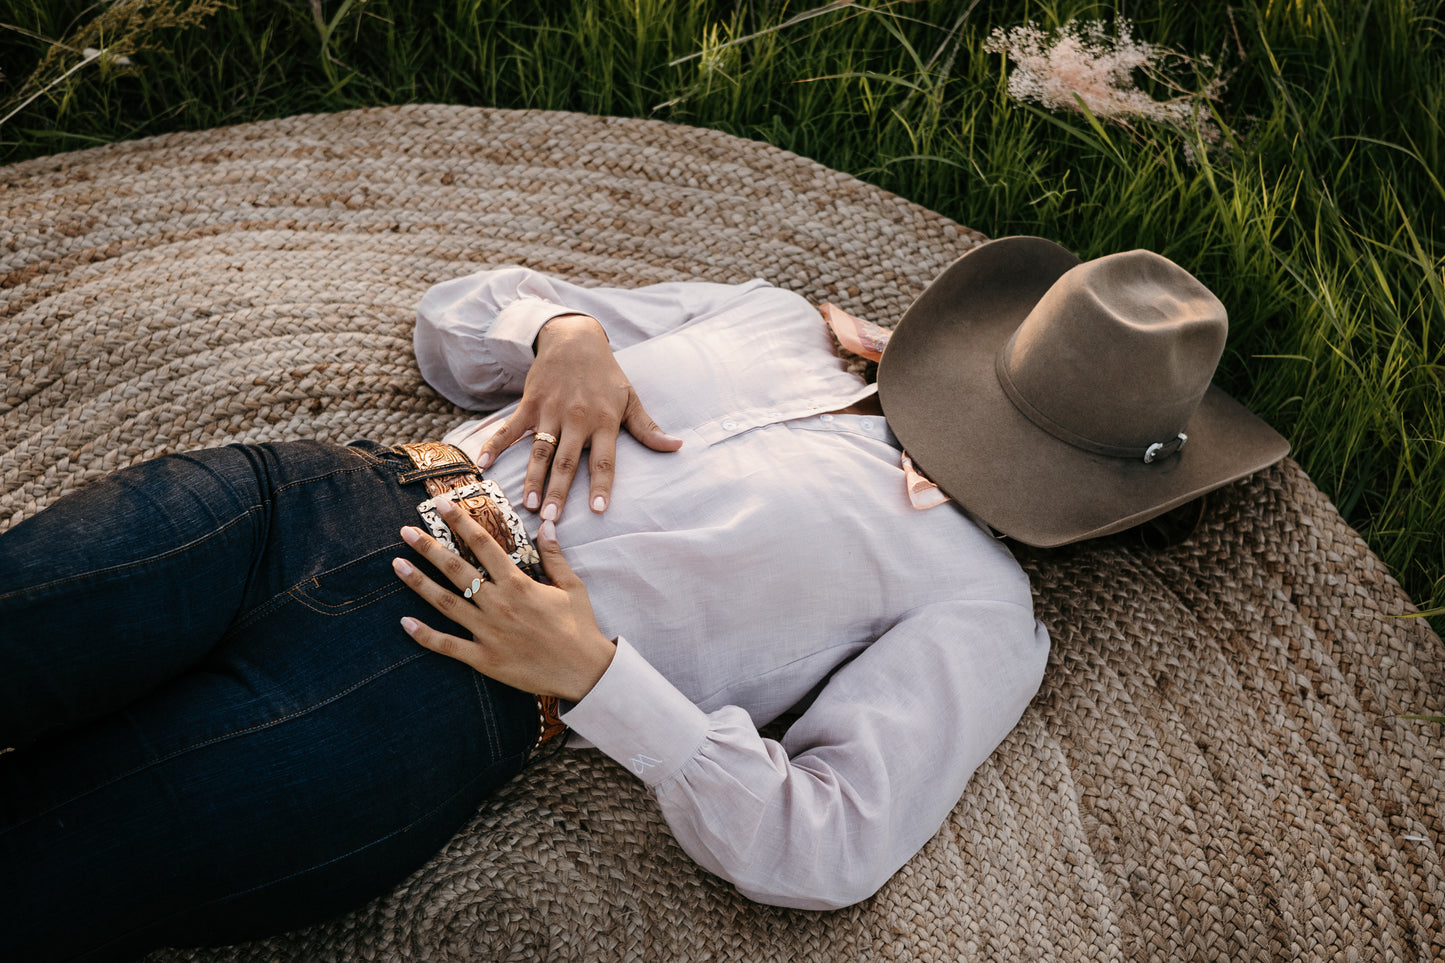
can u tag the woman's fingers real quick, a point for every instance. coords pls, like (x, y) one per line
(543, 459)
(553, 468)
(601, 465)
(640, 425)
(558, 464)
(463, 650)
(534, 637)
(493, 558)
(495, 562)
(564, 468)
(577, 396)
(444, 600)
(511, 431)
(459, 608)
(553, 562)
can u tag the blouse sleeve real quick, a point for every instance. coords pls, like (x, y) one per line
(859, 782)
(474, 335)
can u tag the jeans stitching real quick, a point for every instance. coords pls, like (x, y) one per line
(280, 598)
(275, 601)
(367, 456)
(259, 612)
(334, 473)
(372, 462)
(218, 739)
(192, 544)
(485, 705)
(44, 586)
(383, 550)
(343, 608)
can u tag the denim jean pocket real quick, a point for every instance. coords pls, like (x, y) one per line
(351, 587)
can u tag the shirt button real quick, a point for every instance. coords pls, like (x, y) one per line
(825, 417)
(867, 424)
(730, 425)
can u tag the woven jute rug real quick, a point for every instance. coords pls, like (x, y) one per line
(1214, 768)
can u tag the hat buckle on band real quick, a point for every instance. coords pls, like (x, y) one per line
(1163, 449)
(1070, 366)
(1049, 396)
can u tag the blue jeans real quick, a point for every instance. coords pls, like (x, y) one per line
(220, 730)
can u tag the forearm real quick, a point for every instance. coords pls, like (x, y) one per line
(475, 336)
(733, 800)
(861, 781)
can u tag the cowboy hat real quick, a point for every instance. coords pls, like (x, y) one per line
(1058, 400)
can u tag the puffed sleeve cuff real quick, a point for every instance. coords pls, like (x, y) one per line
(638, 718)
(516, 328)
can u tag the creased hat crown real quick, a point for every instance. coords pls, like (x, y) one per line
(1117, 355)
(1058, 400)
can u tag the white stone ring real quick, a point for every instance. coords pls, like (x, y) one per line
(548, 438)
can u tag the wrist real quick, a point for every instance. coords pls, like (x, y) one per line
(591, 669)
(564, 326)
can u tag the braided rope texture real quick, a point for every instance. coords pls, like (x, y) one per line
(1213, 769)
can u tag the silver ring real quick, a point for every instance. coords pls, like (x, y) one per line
(548, 438)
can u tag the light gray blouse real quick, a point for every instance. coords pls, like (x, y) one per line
(773, 559)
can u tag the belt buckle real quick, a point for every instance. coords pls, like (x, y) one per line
(485, 502)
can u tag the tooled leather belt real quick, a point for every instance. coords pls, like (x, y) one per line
(449, 474)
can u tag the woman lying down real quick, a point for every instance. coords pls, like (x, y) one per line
(250, 687)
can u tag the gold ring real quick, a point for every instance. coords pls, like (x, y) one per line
(549, 439)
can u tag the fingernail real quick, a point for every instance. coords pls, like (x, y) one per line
(409, 624)
(410, 535)
(548, 531)
(402, 566)
(446, 507)
(484, 459)
(599, 504)
(533, 501)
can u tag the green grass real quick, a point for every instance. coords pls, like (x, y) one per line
(1320, 227)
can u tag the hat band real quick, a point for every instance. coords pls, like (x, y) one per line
(1148, 454)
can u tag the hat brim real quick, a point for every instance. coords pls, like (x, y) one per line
(940, 393)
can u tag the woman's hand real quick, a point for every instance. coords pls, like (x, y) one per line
(537, 638)
(576, 393)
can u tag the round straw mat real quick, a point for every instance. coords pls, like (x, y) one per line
(1213, 769)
